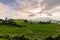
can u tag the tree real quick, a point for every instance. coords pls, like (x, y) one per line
(25, 21)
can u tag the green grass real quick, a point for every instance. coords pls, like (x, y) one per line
(39, 31)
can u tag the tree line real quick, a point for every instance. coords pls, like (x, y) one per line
(40, 22)
(9, 22)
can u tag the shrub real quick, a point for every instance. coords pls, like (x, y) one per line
(49, 38)
(21, 38)
(25, 21)
(57, 38)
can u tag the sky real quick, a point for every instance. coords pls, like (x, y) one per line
(30, 9)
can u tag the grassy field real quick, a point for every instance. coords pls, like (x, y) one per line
(32, 31)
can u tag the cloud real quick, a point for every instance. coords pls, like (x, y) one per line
(28, 5)
(5, 10)
(23, 8)
(21, 4)
(12, 3)
(50, 4)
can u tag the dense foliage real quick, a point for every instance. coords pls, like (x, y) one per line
(51, 38)
(33, 31)
(9, 22)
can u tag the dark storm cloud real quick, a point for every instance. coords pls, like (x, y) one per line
(50, 4)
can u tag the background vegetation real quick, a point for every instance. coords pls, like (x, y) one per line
(30, 31)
